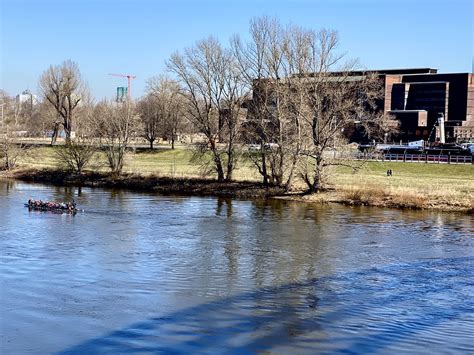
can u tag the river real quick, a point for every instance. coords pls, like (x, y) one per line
(145, 273)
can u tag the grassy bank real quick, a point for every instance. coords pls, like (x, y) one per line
(413, 185)
(431, 186)
(161, 184)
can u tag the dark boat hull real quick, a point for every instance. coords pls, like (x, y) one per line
(58, 210)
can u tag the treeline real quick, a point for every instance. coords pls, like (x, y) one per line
(287, 91)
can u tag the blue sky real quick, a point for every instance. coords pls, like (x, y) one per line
(137, 36)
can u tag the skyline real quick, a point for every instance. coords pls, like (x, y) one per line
(137, 37)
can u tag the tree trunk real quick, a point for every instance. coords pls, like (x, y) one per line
(220, 171)
(217, 160)
(230, 168)
(151, 144)
(67, 130)
(230, 157)
(54, 136)
(264, 169)
(229, 176)
(317, 179)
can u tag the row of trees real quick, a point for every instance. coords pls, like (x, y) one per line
(299, 91)
(67, 104)
(107, 125)
(286, 89)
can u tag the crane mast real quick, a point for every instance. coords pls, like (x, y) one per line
(129, 87)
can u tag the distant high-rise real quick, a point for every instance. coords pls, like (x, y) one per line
(27, 96)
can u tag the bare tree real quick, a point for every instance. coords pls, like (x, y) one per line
(115, 125)
(304, 99)
(41, 120)
(63, 87)
(21, 109)
(231, 112)
(81, 151)
(332, 98)
(10, 152)
(8, 109)
(210, 87)
(168, 102)
(271, 121)
(151, 119)
(77, 155)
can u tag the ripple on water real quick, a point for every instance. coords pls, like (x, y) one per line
(145, 273)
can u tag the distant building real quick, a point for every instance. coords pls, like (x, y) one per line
(417, 100)
(27, 96)
(417, 97)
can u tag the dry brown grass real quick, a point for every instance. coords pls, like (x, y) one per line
(406, 197)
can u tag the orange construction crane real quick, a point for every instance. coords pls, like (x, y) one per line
(129, 88)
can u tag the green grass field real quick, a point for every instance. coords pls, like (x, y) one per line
(412, 184)
(161, 161)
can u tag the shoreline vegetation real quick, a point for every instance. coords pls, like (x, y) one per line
(437, 187)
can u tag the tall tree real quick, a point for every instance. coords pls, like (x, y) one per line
(210, 86)
(8, 109)
(304, 98)
(331, 99)
(165, 93)
(115, 125)
(151, 119)
(271, 124)
(63, 87)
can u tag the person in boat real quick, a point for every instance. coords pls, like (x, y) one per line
(72, 205)
(51, 205)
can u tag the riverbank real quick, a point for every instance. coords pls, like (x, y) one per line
(401, 199)
(365, 194)
(163, 185)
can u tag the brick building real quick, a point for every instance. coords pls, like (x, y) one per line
(418, 97)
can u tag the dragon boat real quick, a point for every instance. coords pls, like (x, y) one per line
(57, 207)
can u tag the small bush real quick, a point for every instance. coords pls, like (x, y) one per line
(75, 156)
(9, 153)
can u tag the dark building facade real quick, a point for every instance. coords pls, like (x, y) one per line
(419, 99)
(416, 97)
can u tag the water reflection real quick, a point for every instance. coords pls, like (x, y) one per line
(224, 202)
(138, 272)
(316, 315)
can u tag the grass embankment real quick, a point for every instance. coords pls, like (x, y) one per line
(413, 185)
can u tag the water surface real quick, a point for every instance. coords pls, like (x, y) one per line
(145, 273)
